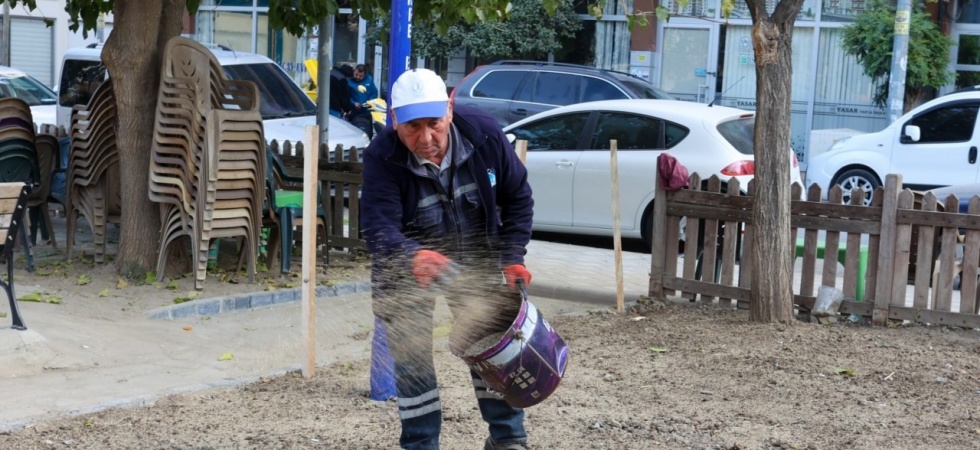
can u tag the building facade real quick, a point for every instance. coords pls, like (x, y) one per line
(697, 56)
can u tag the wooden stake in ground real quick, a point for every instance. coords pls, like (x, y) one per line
(617, 237)
(310, 183)
(521, 148)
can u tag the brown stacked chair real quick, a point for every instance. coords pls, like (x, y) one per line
(207, 164)
(92, 180)
(47, 149)
(18, 155)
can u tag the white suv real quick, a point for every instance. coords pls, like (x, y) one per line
(286, 109)
(933, 145)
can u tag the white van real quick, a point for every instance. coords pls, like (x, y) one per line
(933, 145)
(286, 109)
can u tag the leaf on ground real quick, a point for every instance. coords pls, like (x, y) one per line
(172, 285)
(104, 292)
(3, 314)
(40, 297)
(658, 350)
(187, 328)
(847, 372)
(441, 331)
(84, 279)
(151, 277)
(122, 283)
(32, 297)
(226, 357)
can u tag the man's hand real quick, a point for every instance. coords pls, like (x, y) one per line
(428, 265)
(515, 272)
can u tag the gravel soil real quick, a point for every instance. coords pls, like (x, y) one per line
(674, 375)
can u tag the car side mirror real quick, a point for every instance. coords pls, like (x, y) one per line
(911, 133)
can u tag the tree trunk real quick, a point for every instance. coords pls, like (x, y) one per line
(133, 59)
(772, 258)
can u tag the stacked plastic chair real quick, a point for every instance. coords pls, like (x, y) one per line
(207, 166)
(47, 148)
(93, 170)
(18, 156)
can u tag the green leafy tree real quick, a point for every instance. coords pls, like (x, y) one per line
(133, 56)
(530, 32)
(870, 38)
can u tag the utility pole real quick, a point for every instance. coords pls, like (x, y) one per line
(5, 45)
(900, 52)
(324, 63)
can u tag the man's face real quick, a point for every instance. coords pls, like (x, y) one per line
(427, 138)
(358, 75)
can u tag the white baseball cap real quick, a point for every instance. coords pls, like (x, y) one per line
(419, 94)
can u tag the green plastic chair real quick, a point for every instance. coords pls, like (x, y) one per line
(284, 206)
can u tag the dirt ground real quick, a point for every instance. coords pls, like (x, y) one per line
(664, 375)
(673, 375)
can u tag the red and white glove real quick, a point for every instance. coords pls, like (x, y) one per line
(428, 265)
(515, 272)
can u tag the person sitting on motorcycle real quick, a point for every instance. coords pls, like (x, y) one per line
(362, 90)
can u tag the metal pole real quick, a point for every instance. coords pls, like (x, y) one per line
(900, 51)
(5, 46)
(399, 43)
(324, 63)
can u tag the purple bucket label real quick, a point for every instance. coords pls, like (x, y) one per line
(526, 364)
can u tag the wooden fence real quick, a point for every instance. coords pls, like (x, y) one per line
(899, 255)
(341, 176)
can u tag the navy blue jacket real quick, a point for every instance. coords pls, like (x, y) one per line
(390, 194)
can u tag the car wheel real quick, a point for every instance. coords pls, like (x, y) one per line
(857, 178)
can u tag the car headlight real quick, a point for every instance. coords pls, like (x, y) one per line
(838, 144)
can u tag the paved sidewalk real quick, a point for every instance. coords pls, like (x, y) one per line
(577, 273)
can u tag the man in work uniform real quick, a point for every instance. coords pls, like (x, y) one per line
(444, 194)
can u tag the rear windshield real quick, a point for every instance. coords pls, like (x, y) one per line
(279, 94)
(739, 132)
(79, 78)
(27, 89)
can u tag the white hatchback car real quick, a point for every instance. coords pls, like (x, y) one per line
(569, 168)
(18, 84)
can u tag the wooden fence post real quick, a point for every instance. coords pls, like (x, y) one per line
(886, 251)
(309, 252)
(658, 236)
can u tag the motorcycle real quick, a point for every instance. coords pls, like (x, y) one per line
(378, 107)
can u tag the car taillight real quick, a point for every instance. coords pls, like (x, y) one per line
(739, 168)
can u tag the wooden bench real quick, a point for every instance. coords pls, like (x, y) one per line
(13, 200)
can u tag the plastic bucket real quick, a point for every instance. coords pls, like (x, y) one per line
(525, 364)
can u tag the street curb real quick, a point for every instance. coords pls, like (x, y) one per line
(262, 299)
(252, 300)
(602, 297)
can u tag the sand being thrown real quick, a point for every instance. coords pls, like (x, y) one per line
(483, 315)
